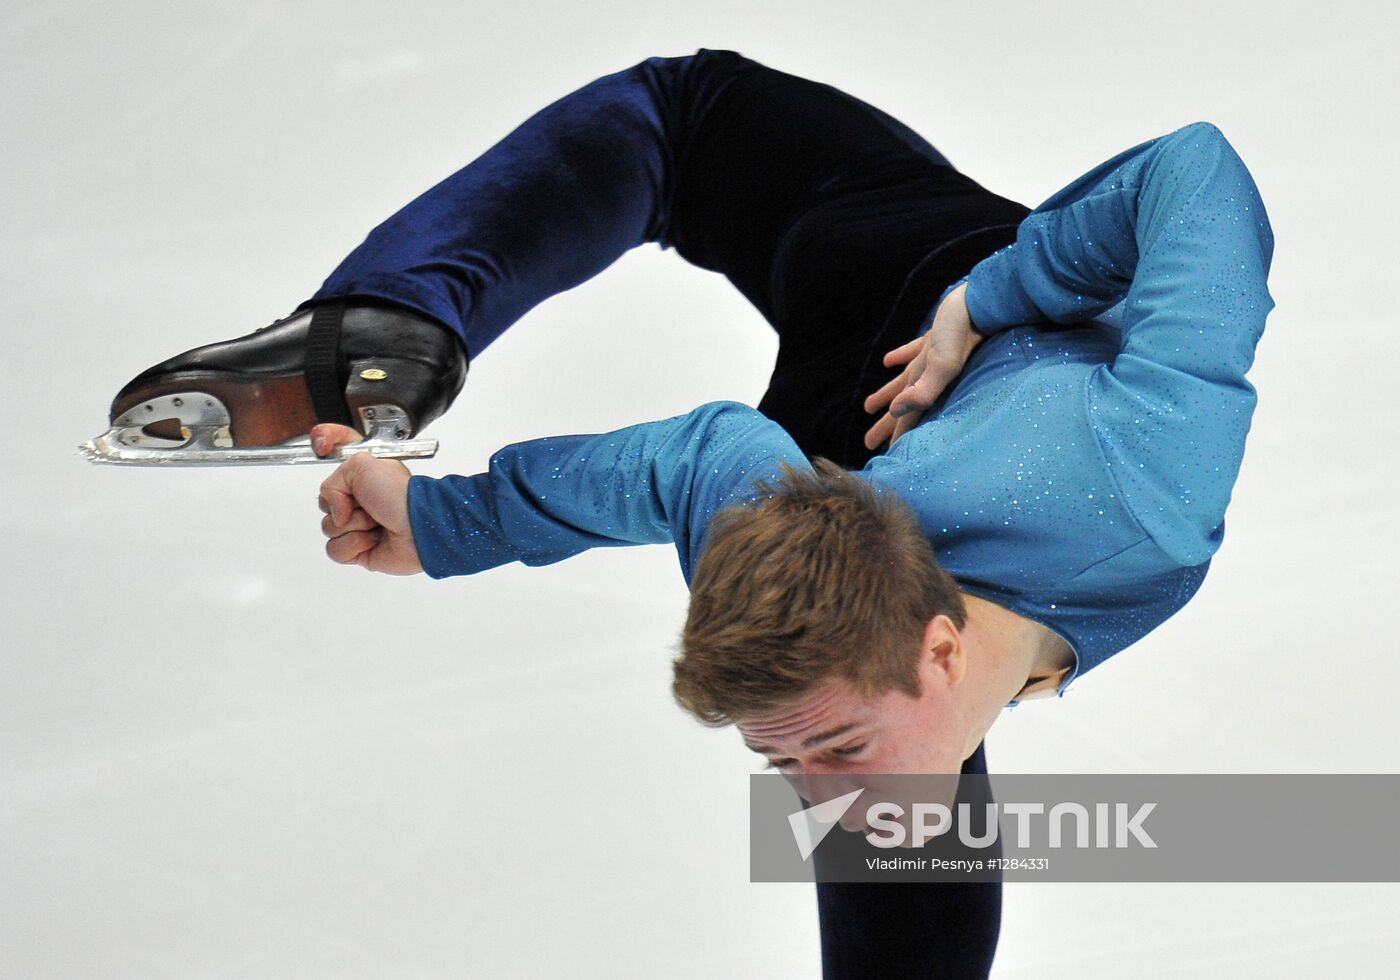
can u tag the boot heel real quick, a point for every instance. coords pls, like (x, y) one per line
(412, 386)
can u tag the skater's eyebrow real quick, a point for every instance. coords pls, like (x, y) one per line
(815, 740)
(827, 736)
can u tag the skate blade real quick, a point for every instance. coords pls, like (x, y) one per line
(206, 440)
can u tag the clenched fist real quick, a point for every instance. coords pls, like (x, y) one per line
(366, 506)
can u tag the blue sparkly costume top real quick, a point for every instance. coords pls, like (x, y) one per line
(1078, 471)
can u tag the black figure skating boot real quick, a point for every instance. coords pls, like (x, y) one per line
(381, 370)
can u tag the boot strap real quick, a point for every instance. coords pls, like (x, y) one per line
(325, 372)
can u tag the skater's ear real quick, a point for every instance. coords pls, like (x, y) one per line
(943, 655)
(327, 437)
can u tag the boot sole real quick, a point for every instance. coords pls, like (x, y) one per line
(262, 411)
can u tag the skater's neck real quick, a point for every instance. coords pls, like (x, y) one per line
(1009, 658)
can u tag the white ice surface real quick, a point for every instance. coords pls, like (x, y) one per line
(222, 756)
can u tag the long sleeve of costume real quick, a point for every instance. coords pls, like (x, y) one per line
(1175, 230)
(546, 500)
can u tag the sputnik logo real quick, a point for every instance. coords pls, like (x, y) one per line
(810, 826)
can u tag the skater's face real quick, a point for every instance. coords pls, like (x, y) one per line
(834, 730)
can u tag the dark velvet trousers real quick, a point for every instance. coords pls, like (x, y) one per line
(840, 225)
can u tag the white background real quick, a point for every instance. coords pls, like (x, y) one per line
(223, 756)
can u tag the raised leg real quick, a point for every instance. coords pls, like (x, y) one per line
(815, 205)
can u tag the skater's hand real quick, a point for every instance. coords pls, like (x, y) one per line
(932, 362)
(366, 506)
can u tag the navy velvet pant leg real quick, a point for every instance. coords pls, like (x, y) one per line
(840, 225)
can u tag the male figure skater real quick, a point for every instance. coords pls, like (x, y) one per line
(1061, 402)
